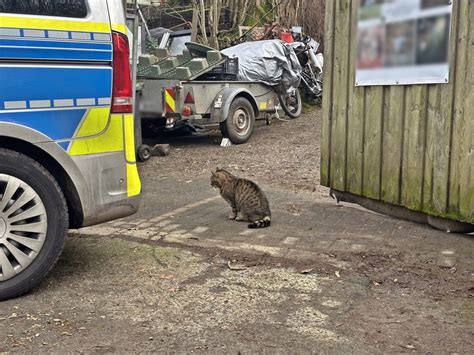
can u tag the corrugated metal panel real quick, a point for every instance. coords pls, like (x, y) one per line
(411, 146)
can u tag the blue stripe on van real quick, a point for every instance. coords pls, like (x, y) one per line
(64, 145)
(58, 124)
(54, 54)
(21, 83)
(55, 44)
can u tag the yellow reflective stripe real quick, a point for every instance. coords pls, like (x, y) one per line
(133, 179)
(170, 101)
(129, 138)
(94, 123)
(119, 28)
(134, 184)
(109, 141)
(53, 24)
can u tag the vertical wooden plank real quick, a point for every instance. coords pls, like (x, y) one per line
(355, 117)
(466, 166)
(434, 123)
(440, 114)
(373, 139)
(459, 117)
(327, 93)
(407, 95)
(415, 127)
(341, 63)
(392, 144)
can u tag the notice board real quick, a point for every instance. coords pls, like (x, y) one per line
(403, 42)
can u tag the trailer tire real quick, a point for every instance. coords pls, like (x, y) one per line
(238, 126)
(144, 153)
(32, 230)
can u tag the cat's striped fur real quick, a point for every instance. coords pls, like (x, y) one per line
(247, 200)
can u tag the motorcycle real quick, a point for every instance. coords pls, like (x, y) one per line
(312, 63)
(306, 50)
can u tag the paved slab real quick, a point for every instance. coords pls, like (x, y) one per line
(192, 213)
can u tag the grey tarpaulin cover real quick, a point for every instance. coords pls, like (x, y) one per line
(272, 62)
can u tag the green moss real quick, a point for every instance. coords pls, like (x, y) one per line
(428, 209)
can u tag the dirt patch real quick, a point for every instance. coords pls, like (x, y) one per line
(109, 295)
(286, 154)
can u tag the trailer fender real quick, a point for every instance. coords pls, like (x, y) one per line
(223, 100)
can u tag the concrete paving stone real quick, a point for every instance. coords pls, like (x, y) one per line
(162, 223)
(145, 225)
(200, 229)
(140, 234)
(171, 227)
(290, 240)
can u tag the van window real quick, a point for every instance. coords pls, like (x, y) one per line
(64, 8)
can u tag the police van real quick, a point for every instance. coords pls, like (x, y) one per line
(67, 155)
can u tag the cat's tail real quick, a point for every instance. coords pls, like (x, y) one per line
(263, 223)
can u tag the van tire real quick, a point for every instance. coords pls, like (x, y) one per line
(48, 192)
(238, 126)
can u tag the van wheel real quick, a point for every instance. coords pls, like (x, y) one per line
(33, 223)
(238, 126)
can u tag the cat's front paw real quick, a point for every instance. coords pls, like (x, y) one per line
(241, 217)
(232, 216)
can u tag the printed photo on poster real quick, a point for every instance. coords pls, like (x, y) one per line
(400, 49)
(370, 50)
(432, 44)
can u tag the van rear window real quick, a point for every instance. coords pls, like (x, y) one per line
(63, 8)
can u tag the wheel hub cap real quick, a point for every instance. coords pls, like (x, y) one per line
(23, 226)
(241, 121)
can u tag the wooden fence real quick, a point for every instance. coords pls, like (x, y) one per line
(411, 146)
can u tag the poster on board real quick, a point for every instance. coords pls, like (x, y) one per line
(403, 42)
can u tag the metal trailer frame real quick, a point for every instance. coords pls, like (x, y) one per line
(211, 101)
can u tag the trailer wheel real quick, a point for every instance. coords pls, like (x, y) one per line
(33, 223)
(144, 153)
(238, 126)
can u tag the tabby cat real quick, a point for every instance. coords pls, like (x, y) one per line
(247, 200)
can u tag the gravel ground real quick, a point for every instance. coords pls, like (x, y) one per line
(285, 154)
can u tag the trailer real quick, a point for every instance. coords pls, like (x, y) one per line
(234, 106)
(198, 88)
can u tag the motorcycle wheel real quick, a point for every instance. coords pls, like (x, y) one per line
(291, 104)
